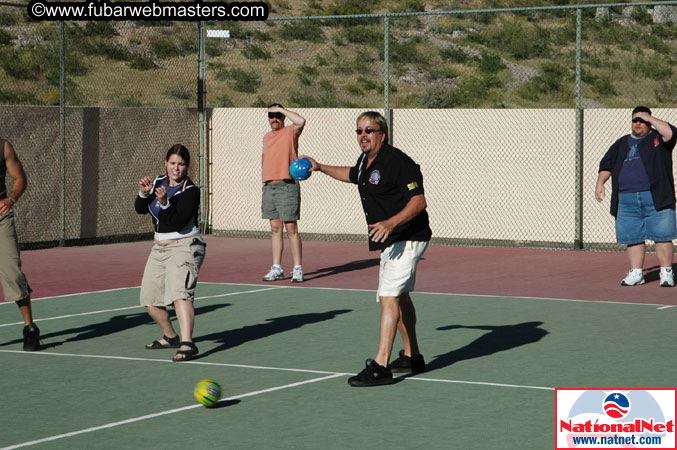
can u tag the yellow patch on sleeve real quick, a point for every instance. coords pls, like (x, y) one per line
(412, 186)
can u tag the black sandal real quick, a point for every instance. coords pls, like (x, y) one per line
(187, 354)
(174, 342)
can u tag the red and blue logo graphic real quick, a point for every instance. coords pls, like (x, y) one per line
(375, 177)
(616, 405)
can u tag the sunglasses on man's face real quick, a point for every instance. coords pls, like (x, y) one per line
(359, 131)
(638, 120)
(276, 116)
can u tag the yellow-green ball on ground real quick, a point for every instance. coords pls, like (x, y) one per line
(208, 392)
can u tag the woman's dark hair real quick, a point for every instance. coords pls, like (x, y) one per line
(178, 149)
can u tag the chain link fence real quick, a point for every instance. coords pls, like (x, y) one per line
(507, 110)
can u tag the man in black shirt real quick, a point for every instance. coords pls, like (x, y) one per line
(391, 189)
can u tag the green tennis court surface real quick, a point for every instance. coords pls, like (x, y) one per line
(283, 355)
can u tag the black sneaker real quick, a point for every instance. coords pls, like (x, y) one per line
(31, 338)
(372, 375)
(406, 364)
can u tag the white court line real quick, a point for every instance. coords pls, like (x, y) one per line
(75, 294)
(451, 294)
(164, 413)
(131, 307)
(281, 369)
(202, 363)
(482, 383)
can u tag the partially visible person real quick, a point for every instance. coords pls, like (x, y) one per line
(173, 265)
(642, 193)
(281, 194)
(390, 185)
(14, 284)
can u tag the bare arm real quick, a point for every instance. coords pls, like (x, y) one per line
(602, 178)
(298, 121)
(380, 231)
(16, 171)
(341, 173)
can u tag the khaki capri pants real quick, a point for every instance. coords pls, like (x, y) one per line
(171, 271)
(14, 284)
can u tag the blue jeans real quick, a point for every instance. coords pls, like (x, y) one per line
(637, 220)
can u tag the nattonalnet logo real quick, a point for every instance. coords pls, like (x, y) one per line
(615, 418)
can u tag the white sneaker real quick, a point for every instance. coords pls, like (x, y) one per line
(634, 278)
(274, 274)
(297, 275)
(667, 277)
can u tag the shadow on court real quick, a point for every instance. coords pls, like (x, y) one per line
(232, 338)
(499, 338)
(349, 267)
(115, 324)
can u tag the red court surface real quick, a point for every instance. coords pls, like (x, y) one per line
(510, 272)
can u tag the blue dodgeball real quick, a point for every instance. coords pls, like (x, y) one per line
(300, 169)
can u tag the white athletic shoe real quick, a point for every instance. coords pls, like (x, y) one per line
(634, 278)
(297, 275)
(274, 274)
(667, 277)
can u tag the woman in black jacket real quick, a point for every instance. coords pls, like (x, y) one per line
(171, 272)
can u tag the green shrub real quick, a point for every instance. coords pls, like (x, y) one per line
(302, 30)
(326, 86)
(437, 97)
(321, 61)
(261, 35)
(213, 48)
(8, 18)
(179, 92)
(140, 62)
(307, 75)
(442, 72)
(666, 93)
(640, 14)
(360, 34)
(490, 63)
(518, 41)
(603, 86)
(454, 55)
(369, 84)
(23, 64)
(130, 101)
(18, 97)
(653, 68)
(252, 51)
(280, 69)
(99, 29)
(164, 48)
(658, 44)
(406, 52)
(5, 37)
(244, 80)
(550, 79)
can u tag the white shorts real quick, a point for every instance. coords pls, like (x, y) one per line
(398, 268)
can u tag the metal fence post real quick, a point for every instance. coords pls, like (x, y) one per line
(62, 134)
(578, 239)
(386, 76)
(201, 125)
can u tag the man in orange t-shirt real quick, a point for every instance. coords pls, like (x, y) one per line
(281, 196)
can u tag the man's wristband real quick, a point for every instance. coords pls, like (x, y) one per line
(11, 200)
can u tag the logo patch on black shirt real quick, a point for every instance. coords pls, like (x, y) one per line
(413, 185)
(375, 177)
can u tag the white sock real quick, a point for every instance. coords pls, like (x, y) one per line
(277, 266)
(666, 269)
(298, 267)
